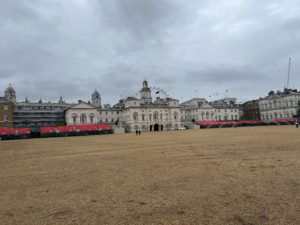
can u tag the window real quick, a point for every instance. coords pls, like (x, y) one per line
(175, 115)
(135, 116)
(5, 107)
(83, 118)
(150, 117)
(155, 116)
(74, 118)
(143, 117)
(92, 117)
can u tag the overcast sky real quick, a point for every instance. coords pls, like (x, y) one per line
(189, 48)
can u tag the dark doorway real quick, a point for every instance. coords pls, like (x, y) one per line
(150, 127)
(156, 127)
(161, 127)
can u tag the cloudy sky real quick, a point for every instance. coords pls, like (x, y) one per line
(195, 48)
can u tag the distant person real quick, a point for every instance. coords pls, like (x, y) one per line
(140, 132)
(136, 132)
(297, 124)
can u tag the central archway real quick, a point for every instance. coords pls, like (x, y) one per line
(156, 127)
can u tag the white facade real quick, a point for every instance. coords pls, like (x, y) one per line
(198, 109)
(132, 113)
(85, 113)
(162, 114)
(82, 113)
(279, 105)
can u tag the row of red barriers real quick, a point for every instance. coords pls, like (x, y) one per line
(206, 124)
(76, 128)
(14, 131)
(59, 131)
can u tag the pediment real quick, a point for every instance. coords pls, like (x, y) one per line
(82, 105)
(206, 106)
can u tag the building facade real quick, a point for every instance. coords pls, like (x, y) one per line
(39, 114)
(131, 113)
(250, 110)
(6, 113)
(226, 109)
(87, 113)
(198, 109)
(278, 105)
(31, 114)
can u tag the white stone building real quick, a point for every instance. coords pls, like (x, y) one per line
(198, 109)
(82, 113)
(87, 113)
(226, 109)
(279, 104)
(131, 113)
(147, 115)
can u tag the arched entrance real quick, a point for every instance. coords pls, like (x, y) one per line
(161, 127)
(156, 127)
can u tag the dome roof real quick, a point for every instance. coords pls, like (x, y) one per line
(10, 89)
(145, 87)
(96, 92)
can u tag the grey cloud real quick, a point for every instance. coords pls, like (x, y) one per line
(224, 74)
(23, 10)
(54, 47)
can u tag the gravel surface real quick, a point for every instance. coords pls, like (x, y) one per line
(229, 176)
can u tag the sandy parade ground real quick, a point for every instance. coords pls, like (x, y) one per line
(228, 176)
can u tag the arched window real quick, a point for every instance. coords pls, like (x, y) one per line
(83, 118)
(175, 115)
(74, 118)
(92, 116)
(135, 116)
(155, 116)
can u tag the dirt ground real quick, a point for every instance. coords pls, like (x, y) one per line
(229, 176)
